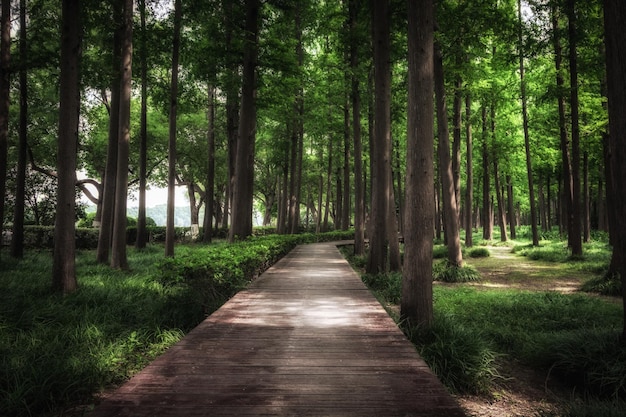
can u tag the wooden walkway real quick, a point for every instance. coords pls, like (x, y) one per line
(306, 339)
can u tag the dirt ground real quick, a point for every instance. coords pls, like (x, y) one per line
(522, 392)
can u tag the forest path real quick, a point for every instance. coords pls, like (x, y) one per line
(307, 338)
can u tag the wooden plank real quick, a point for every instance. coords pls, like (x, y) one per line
(306, 338)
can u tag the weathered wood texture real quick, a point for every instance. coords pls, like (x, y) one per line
(306, 339)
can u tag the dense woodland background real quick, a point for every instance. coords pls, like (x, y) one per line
(302, 111)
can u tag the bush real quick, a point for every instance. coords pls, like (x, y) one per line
(609, 284)
(443, 271)
(386, 286)
(459, 356)
(479, 253)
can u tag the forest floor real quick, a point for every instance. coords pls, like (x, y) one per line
(521, 391)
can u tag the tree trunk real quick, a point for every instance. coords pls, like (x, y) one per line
(469, 187)
(564, 140)
(381, 142)
(5, 88)
(486, 212)
(241, 226)
(615, 38)
(142, 233)
(118, 251)
(456, 143)
(110, 175)
(417, 294)
(170, 231)
(496, 179)
(359, 195)
(451, 221)
(529, 170)
(209, 199)
(63, 269)
(511, 210)
(345, 212)
(586, 200)
(17, 242)
(577, 246)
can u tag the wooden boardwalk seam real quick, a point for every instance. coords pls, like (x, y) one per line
(307, 338)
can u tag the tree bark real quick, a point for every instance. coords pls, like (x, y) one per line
(511, 209)
(486, 212)
(142, 233)
(241, 226)
(359, 195)
(209, 200)
(64, 268)
(17, 242)
(381, 142)
(118, 251)
(451, 221)
(529, 170)
(417, 297)
(110, 175)
(576, 232)
(5, 88)
(170, 231)
(469, 170)
(615, 39)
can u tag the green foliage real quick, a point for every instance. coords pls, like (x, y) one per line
(443, 271)
(460, 357)
(440, 251)
(609, 284)
(593, 408)
(388, 287)
(479, 252)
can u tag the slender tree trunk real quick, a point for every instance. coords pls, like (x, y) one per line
(5, 88)
(110, 176)
(496, 179)
(586, 199)
(469, 170)
(417, 294)
(381, 142)
(64, 269)
(615, 39)
(511, 210)
(209, 200)
(529, 170)
(455, 256)
(118, 251)
(359, 195)
(564, 140)
(142, 233)
(241, 226)
(577, 248)
(456, 143)
(486, 212)
(170, 231)
(17, 242)
(346, 204)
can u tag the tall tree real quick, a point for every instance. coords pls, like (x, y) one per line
(63, 269)
(529, 170)
(359, 195)
(417, 296)
(110, 175)
(5, 80)
(241, 226)
(209, 199)
(170, 232)
(451, 213)
(576, 232)
(118, 250)
(142, 233)
(615, 38)
(381, 142)
(469, 173)
(17, 243)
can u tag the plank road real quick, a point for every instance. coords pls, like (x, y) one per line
(305, 339)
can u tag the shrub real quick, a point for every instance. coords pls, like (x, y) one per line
(459, 356)
(609, 284)
(443, 271)
(480, 252)
(387, 286)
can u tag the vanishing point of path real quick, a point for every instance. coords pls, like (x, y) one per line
(305, 339)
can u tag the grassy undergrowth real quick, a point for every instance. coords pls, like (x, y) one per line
(57, 352)
(573, 338)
